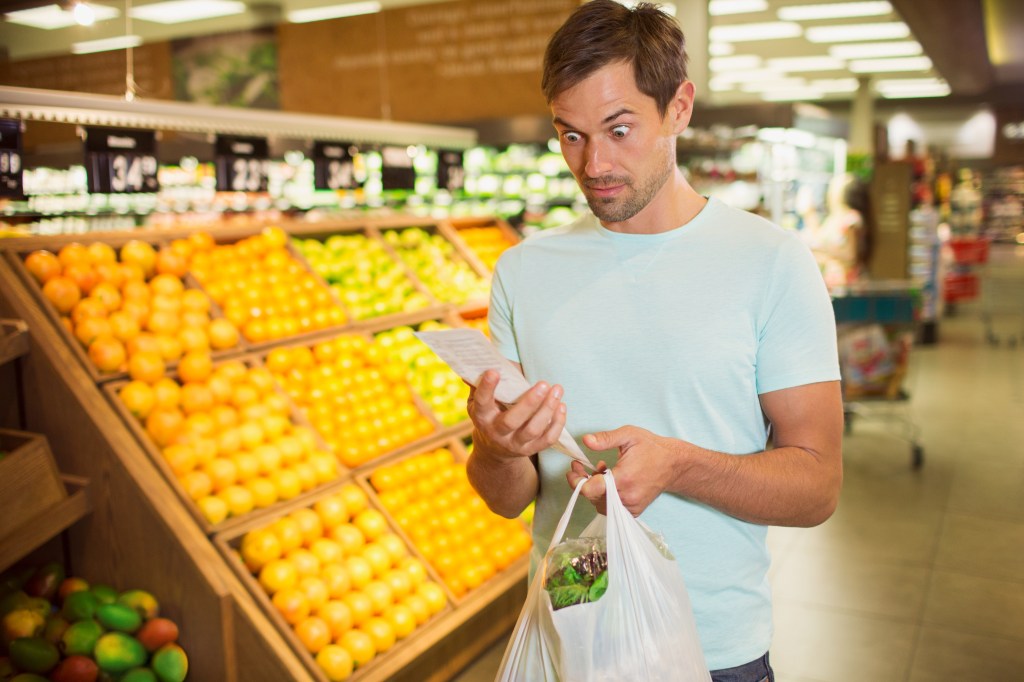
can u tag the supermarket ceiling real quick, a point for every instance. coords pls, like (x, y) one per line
(758, 50)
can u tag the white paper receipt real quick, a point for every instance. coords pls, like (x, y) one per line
(470, 354)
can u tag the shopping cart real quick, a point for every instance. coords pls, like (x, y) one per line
(1002, 295)
(876, 323)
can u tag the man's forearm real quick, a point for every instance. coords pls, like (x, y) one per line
(506, 484)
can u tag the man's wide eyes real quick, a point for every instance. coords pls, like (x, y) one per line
(571, 137)
(620, 131)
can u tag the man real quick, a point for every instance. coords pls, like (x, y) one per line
(679, 330)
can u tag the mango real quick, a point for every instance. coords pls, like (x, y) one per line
(45, 580)
(14, 580)
(139, 675)
(28, 677)
(170, 663)
(71, 585)
(33, 654)
(81, 637)
(75, 669)
(156, 632)
(22, 623)
(54, 628)
(142, 601)
(118, 617)
(80, 606)
(12, 601)
(104, 593)
(116, 652)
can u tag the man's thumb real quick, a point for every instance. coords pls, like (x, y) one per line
(603, 440)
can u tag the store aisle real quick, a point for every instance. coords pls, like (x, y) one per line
(918, 576)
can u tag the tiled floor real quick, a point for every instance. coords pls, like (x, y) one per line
(919, 575)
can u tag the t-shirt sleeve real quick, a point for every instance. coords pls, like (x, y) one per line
(797, 328)
(499, 314)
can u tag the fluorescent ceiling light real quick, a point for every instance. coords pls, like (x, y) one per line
(83, 13)
(180, 11)
(835, 84)
(734, 33)
(720, 49)
(891, 64)
(350, 9)
(717, 8)
(739, 61)
(851, 33)
(52, 16)
(896, 88)
(806, 63)
(105, 44)
(891, 48)
(780, 84)
(838, 10)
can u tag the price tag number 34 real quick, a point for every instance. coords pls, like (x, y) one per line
(129, 173)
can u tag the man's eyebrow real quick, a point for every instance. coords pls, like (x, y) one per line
(558, 120)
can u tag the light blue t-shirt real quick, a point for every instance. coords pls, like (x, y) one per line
(678, 333)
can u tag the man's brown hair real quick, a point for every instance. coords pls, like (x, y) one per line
(603, 32)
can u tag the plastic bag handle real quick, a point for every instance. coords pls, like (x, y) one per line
(563, 522)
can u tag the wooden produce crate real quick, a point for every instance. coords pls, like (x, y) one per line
(29, 479)
(47, 522)
(429, 500)
(387, 316)
(13, 340)
(155, 453)
(405, 650)
(273, 311)
(459, 229)
(16, 259)
(472, 290)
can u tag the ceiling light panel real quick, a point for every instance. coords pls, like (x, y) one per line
(890, 48)
(720, 49)
(106, 44)
(812, 63)
(836, 10)
(851, 33)
(780, 84)
(349, 9)
(744, 75)
(718, 8)
(890, 65)
(735, 62)
(772, 30)
(53, 17)
(180, 11)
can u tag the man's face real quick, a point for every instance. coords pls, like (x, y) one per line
(617, 144)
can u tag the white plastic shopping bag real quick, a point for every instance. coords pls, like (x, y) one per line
(638, 625)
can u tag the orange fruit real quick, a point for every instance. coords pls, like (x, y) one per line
(355, 498)
(359, 570)
(263, 492)
(337, 615)
(222, 334)
(90, 328)
(166, 393)
(123, 325)
(378, 558)
(195, 300)
(336, 662)
(315, 590)
(100, 252)
(139, 397)
(168, 261)
(360, 646)
(223, 472)
(62, 292)
(433, 595)
(139, 254)
(193, 338)
(327, 551)
(108, 294)
(381, 631)
(88, 307)
(181, 458)
(314, 634)
(349, 537)
(287, 483)
(336, 578)
(213, 509)
(259, 547)
(305, 562)
(380, 595)
(107, 353)
(196, 397)
(288, 533)
(277, 575)
(359, 606)
(238, 499)
(196, 484)
(371, 523)
(164, 322)
(195, 366)
(401, 619)
(170, 347)
(400, 583)
(292, 604)
(43, 265)
(83, 275)
(419, 608)
(167, 285)
(332, 511)
(146, 366)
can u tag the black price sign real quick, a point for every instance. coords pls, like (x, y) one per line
(397, 171)
(334, 166)
(241, 164)
(10, 159)
(450, 173)
(120, 161)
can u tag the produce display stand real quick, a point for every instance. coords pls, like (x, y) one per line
(1002, 295)
(892, 305)
(131, 526)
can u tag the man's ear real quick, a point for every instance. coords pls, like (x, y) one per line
(680, 109)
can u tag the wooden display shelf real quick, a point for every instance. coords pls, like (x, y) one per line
(453, 227)
(13, 340)
(48, 523)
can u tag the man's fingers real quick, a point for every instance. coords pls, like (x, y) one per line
(594, 491)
